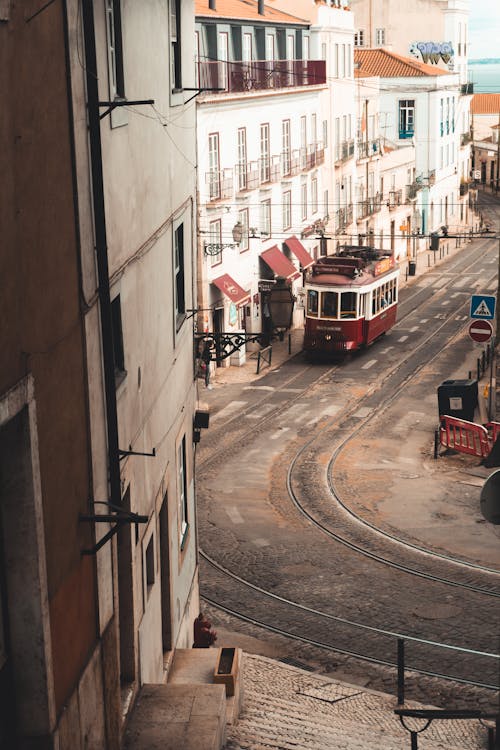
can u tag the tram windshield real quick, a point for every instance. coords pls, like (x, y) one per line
(348, 305)
(329, 304)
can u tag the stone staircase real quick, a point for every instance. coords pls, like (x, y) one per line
(287, 708)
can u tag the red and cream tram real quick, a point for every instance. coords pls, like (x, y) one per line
(351, 300)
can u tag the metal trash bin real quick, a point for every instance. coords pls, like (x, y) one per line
(458, 398)
(412, 267)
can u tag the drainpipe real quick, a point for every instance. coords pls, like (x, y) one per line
(101, 251)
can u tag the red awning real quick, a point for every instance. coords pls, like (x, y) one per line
(297, 248)
(279, 263)
(231, 289)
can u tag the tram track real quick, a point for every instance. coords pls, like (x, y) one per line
(221, 430)
(472, 583)
(336, 634)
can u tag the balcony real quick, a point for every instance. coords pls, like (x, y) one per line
(220, 184)
(345, 151)
(342, 218)
(467, 88)
(405, 134)
(412, 190)
(247, 176)
(261, 75)
(369, 206)
(395, 199)
(368, 149)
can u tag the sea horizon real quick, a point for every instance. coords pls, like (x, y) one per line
(485, 75)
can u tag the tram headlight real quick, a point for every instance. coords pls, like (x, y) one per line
(328, 337)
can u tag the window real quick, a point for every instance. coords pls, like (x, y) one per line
(348, 304)
(379, 37)
(314, 195)
(175, 44)
(182, 491)
(265, 217)
(115, 49)
(180, 292)
(287, 210)
(441, 117)
(269, 47)
(406, 118)
(265, 161)
(150, 564)
(213, 166)
(336, 61)
(290, 47)
(314, 129)
(247, 47)
(325, 205)
(359, 38)
(243, 219)
(305, 49)
(285, 147)
(329, 305)
(242, 158)
(117, 336)
(303, 141)
(215, 239)
(342, 62)
(325, 133)
(223, 56)
(312, 302)
(303, 199)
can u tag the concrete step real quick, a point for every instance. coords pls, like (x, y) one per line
(178, 717)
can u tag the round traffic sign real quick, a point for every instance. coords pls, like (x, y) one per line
(480, 330)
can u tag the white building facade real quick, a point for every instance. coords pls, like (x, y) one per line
(261, 153)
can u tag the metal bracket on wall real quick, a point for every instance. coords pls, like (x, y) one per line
(119, 517)
(198, 92)
(123, 103)
(222, 345)
(130, 452)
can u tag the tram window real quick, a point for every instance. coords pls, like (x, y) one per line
(329, 305)
(348, 305)
(312, 302)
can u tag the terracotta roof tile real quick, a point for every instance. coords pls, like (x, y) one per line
(381, 62)
(485, 104)
(244, 10)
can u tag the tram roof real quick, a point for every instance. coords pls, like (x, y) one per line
(353, 267)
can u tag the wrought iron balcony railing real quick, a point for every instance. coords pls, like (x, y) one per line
(367, 149)
(220, 184)
(256, 75)
(395, 199)
(345, 150)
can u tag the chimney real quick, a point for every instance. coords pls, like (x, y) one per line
(261, 7)
(211, 4)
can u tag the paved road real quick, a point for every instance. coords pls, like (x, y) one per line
(246, 519)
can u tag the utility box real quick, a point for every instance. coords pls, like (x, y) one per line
(412, 268)
(458, 398)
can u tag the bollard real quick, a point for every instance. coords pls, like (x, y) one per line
(436, 443)
(401, 671)
(478, 368)
(289, 343)
(483, 361)
(470, 374)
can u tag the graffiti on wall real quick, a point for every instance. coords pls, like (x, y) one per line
(432, 52)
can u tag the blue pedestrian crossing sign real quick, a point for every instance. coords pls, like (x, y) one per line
(482, 306)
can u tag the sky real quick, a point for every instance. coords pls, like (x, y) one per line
(484, 28)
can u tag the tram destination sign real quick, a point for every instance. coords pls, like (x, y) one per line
(480, 331)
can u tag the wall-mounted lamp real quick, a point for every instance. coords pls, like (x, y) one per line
(216, 248)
